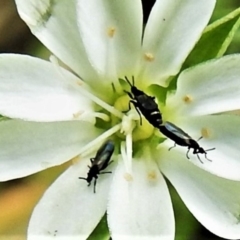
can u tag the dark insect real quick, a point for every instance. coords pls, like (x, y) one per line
(99, 163)
(183, 139)
(144, 104)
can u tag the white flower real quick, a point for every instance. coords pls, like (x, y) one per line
(101, 42)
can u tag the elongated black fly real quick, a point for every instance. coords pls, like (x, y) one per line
(183, 139)
(144, 104)
(99, 163)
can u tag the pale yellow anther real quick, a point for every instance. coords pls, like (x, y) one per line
(79, 83)
(206, 133)
(75, 160)
(128, 177)
(187, 99)
(149, 57)
(111, 32)
(152, 175)
(77, 114)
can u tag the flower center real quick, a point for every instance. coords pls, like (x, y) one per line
(131, 120)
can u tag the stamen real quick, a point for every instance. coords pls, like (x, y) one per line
(149, 57)
(77, 114)
(83, 91)
(187, 99)
(128, 124)
(111, 31)
(126, 160)
(123, 153)
(90, 116)
(101, 103)
(103, 116)
(129, 150)
(84, 151)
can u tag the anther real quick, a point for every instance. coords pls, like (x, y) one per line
(77, 114)
(149, 57)
(206, 132)
(152, 175)
(187, 99)
(128, 177)
(111, 32)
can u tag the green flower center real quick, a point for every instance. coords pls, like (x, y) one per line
(131, 121)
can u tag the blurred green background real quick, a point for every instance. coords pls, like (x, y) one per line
(18, 197)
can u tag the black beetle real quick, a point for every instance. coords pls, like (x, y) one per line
(144, 104)
(183, 139)
(99, 163)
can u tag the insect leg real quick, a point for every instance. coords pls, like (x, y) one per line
(91, 159)
(136, 107)
(110, 162)
(82, 178)
(199, 158)
(187, 153)
(172, 147)
(200, 138)
(129, 104)
(129, 94)
(207, 158)
(94, 185)
(104, 172)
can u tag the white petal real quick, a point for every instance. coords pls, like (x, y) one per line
(29, 147)
(172, 31)
(33, 89)
(70, 208)
(55, 24)
(223, 133)
(210, 87)
(140, 205)
(214, 201)
(111, 32)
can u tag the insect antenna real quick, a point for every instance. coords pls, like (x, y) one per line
(129, 81)
(113, 87)
(133, 81)
(210, 149)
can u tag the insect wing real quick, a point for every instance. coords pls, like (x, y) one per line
(176, 130)
(103, 155)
